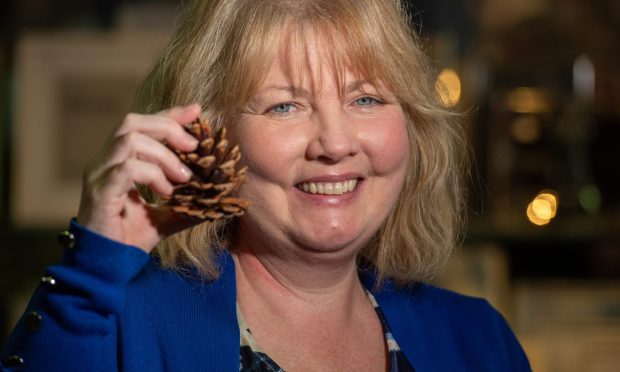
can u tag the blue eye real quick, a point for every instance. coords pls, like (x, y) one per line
(366, 101)
(283, 108)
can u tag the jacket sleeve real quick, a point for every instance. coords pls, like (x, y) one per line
(70, 322)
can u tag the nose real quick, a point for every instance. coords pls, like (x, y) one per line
(334, 138)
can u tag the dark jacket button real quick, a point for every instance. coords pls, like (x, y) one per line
(67, 239)
(34, 321)
(14, 361)
(48, 280)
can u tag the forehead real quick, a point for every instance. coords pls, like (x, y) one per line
(308, 56)
(305, 49)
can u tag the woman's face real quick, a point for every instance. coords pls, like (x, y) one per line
(324, 168)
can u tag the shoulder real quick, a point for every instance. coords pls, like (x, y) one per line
(179, 314)
(454, 329)
(447, 302)
(459, 313)
(177, 283)
(444, 309)
(178, 302)
(441, 305)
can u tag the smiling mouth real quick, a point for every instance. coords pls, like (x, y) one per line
(328, 188)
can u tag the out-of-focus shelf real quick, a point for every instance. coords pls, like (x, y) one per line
(516, 227)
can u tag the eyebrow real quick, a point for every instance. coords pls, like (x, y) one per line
(357, 86)
(299, 91)
(295, 90)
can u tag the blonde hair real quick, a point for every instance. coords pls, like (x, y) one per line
(220, 56)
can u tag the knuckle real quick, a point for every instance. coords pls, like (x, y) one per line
(127, 169)
(170, 125)
(130, 165)
(126, 143)
(119, 170)
(130, 119)
(130, 137)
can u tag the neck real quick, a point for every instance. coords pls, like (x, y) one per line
(320, 301)
(307, 282)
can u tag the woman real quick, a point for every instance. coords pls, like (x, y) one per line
(354, 184)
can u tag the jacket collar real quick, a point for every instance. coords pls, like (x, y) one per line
(399, 306)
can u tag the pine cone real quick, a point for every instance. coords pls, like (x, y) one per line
(207, 194)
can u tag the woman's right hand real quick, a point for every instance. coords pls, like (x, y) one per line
(137, 153)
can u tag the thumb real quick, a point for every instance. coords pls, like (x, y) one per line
(169, 222)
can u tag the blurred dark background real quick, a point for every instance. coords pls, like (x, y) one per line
(539, 81)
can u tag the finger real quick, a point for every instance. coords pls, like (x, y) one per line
(183, 114)
(142, 147)
(160, 128)
(120, 179)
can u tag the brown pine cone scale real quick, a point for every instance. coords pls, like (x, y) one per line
(208, 194)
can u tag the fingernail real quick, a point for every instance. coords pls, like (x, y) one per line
(193, 142)
(185, 171)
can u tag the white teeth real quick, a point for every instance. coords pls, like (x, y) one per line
(329, 188)
(352, 185)
(339, 188)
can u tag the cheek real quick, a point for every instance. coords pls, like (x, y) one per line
(387, 143)
(268, 152)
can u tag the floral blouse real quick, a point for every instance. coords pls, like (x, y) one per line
(251, 358)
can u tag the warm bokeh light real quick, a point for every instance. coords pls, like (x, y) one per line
(528, 101)
(531, 215)
(543, 208)
(448, 85)
(551, 199)
(526, 129)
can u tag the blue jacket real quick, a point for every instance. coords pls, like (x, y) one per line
(110, 307)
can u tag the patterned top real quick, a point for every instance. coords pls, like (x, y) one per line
(252, 358)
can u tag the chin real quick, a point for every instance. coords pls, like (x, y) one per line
(337, 244)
